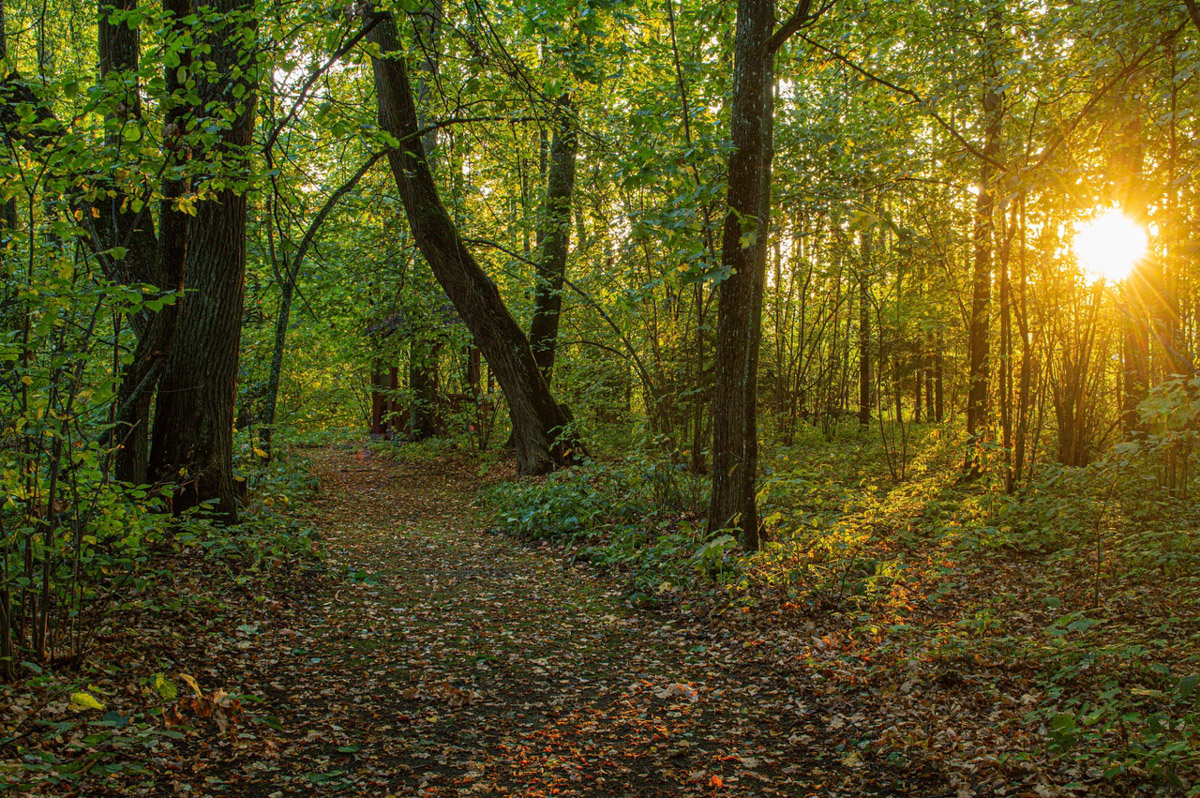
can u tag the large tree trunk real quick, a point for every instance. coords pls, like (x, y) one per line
(555, 239)
(117, 225)
(193, 428)
(979, 344)
(150, 259)
(740, 296)
(540, 424)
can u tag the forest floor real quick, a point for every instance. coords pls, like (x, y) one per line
(435, 658)
(455, 661)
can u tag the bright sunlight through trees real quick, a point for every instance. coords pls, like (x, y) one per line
(1109, 246)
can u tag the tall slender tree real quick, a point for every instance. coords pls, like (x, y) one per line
(744, 254)
(978, 341)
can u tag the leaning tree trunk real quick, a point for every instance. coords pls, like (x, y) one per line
(739, 298)
(555, 239)
(193, 428)
(540, 424)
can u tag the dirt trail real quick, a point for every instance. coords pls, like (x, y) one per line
(453, 661)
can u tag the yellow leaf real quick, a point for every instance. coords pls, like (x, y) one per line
(192, 684)
(82, 701)
(260, 453)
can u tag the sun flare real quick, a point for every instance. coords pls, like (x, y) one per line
(1109, 246)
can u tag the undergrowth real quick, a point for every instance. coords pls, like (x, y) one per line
(145, 576)
(637, 517)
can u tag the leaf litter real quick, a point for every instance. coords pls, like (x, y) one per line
(436, 659)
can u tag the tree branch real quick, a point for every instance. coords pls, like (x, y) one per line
(912, 95)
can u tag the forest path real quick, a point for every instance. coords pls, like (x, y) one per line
(453, 661)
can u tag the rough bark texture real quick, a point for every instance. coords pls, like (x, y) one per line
(193, 429)
(117, 225)
(555, 240)
(538, 421)
(148, 259)
(981, 290)
(740, 297)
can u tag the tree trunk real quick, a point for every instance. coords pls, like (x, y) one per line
(193, 428)
(981, 292)
(740, 296)
(423, 385)
(117, 225)
(864, 334)
(939, 395)
(555, 239)
(422, 359)
(541, 426)
(1006, 372)
(158, 261)
(1026, 377)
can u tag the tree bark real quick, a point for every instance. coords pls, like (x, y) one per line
(1006, 371)
(1026, 377)
(117, 225)
(158, 260)
(740, 296)
(555, 239)
(193, 429)
(541, 426)
(979, 345)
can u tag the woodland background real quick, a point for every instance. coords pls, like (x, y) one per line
(792, 293)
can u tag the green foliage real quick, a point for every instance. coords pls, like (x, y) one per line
(637, 517)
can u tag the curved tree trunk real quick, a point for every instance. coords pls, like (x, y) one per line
(540, 424)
